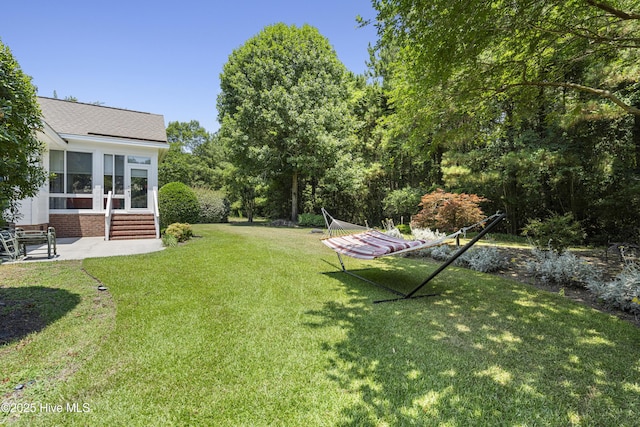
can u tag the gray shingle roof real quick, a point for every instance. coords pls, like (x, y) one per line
(76, 118)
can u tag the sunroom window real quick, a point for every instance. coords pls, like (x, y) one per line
(114, 180)
(71, 184)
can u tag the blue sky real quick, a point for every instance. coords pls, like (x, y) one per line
(159, 56)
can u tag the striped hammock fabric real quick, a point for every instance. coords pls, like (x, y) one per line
(372, 244)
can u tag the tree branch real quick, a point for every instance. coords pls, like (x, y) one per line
(603, 93)
(613, 11)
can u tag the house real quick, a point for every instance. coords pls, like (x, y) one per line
(103, 167)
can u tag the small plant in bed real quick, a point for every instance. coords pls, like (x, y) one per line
(177, 233)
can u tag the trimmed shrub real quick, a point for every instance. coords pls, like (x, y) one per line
(214, 207)
(177, 203)
(180, 231)
(558, 232)
(426, 234)
(440, 253)
(550, 267)
(483, 259)
(311, 220)
(622, 292)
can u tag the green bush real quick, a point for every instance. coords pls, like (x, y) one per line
(558, 232)
(169, 240)
(214, 207)
(177, 203)
(402, 203)
(483, 259)
(310, 220)
(622, 292)
(180, 231)
(404, 228)
(564, 269)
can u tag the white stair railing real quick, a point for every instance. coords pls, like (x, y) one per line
(156, 212)
(107, 216)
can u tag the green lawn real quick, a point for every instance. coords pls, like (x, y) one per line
(254, 326)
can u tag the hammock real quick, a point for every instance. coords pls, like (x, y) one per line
(365, 243)
(373, 244)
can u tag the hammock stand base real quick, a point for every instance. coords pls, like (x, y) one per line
(412, 294)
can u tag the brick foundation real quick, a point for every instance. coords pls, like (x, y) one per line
(77, 225)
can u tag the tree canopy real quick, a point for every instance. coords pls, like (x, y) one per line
(21, 171)
(283, 107)
(188, 136)
(194, 158)
(530, 104)
(534, 104)
(514, 47)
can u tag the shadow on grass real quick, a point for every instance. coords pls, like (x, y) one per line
(30, 309)
(392, 276)
(486, 352)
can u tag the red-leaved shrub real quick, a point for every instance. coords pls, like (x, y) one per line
(448, 211)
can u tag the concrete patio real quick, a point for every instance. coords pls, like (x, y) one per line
(92, 247)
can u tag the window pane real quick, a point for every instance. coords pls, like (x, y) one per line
(56, 168)
(108, 164)
(138, 173)
(79, 172)
(70, 203)
(79, 163)
(108, 184)
(140, 160)
(57, 203)
(56, 183)
(108, 173)
(79, 183)
(116, 204)
(119, 176)
(56, 161)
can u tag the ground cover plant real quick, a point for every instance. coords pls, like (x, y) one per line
(254, 325)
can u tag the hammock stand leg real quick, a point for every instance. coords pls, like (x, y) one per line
(364, 279)
(328, 219)
(447, 263)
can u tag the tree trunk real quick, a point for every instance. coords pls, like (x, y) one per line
(249, 203)
(636, 139)
(294, 197)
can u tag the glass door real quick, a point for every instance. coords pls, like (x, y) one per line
(137, 194)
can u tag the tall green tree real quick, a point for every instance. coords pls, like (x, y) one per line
(195, 157)
(283, 107)
(189, 136)
(21, 171)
